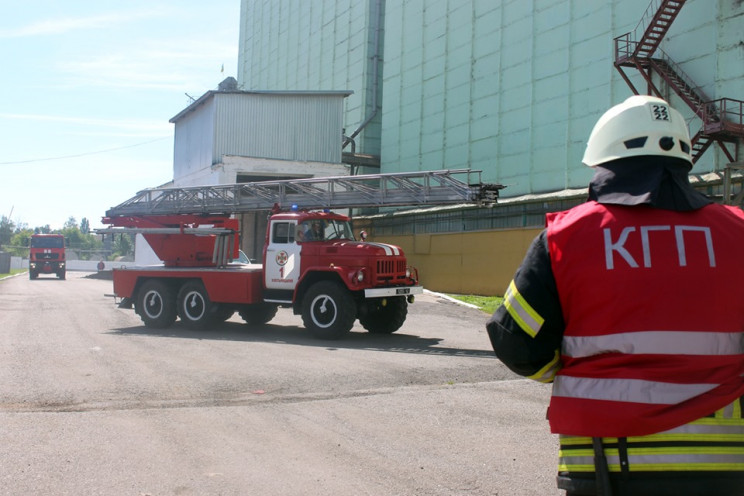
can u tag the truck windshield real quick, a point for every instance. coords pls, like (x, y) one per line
(51, 242)
(324, 229)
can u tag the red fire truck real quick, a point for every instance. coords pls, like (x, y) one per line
(311, 260)
(46, 255)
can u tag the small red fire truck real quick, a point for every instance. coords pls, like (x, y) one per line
(46, 255)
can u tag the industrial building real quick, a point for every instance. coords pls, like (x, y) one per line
(509, 87)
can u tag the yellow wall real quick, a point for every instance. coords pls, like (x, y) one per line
(479, 263)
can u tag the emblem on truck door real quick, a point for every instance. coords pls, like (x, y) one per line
(282, 257)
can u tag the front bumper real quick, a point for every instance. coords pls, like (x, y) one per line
(46, 267)
(395, 291)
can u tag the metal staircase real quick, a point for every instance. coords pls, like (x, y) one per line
(722, 119)
(442, 187)
(660, 15)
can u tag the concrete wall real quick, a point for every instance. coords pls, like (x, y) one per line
(480, 263)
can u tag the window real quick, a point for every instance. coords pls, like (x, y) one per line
(282, 232)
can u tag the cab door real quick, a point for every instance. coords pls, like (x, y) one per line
(282, 266)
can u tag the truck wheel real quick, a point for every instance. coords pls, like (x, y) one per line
(328, 310)
(194, 307)
(385, 315)
(156, 305)
(258, 314)
(32, 275)
(222, 312)
(61, 274)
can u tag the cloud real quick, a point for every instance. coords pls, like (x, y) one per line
(51, 27)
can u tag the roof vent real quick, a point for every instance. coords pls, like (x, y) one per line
(228, 84)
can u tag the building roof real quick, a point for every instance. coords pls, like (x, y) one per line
(228, 87)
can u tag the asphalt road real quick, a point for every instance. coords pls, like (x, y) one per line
(93, 403)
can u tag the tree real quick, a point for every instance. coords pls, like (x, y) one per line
(7, 227)
(20, 243)
(85, 226)
(70, 223)
(85, 245)
(123, 245)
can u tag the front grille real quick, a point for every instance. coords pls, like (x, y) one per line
(391, 267)
(47, 256)
(390, 270)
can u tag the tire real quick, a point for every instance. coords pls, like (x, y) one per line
(328, 310)
(156, 305)
(32, 275)
(385, 315)
(258, 314)
(195, 309)
(61, 274)
(222, 312)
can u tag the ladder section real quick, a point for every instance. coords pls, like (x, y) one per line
(443, 187)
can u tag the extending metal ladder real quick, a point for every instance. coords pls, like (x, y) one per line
(441, 187)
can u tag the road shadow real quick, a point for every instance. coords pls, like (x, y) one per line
(358, 339)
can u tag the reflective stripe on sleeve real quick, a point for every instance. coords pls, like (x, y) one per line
(656, 342)
(521, 311)
(547, 373)
(628, 390)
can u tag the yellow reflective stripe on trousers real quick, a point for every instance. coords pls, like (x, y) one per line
(547, 373)
(707, 458)
(521, 311)
(710, 443)
(732, 411)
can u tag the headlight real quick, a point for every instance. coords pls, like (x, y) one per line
(359, 276)
(408, 272)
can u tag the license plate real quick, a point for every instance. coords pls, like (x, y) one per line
(403, 291)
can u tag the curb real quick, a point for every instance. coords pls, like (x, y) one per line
(449, 298)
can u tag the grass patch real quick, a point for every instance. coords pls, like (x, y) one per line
(13, 272)
(487, 304)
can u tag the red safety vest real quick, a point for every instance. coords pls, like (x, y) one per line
(653, 302)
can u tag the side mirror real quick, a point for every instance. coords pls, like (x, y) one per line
(363, 235)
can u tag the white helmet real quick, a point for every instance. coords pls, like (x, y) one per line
(641, 125)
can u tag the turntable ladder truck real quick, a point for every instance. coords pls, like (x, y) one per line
(311, 261)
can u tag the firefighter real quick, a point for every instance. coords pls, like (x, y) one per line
(631, 305)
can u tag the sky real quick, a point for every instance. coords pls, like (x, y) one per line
(87, 88)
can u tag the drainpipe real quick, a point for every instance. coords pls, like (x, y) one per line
(375, 74)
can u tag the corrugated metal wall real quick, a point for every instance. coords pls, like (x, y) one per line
(299, 127)
(293, 126)
(193, 141)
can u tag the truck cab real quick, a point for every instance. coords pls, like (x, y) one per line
(313, 263)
